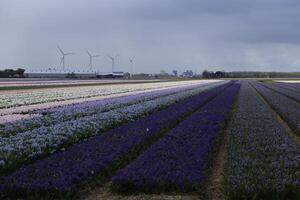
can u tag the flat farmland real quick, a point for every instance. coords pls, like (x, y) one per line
(198, 139)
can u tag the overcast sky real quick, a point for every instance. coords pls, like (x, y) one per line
(261, 35)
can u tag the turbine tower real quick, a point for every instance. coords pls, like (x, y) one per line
(91, 59)
(131, 60)
(62, 61)
(113, 58)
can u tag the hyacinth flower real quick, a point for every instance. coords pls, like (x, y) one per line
(100, 155)
(177, 162)
(263, 161)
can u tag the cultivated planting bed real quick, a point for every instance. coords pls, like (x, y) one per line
(240, 138)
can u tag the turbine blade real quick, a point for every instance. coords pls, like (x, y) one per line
(131, 59)
(89, 54)
(61, 61)
(61, 51)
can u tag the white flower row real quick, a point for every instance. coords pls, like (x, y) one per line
(4, 84)
(61, 94)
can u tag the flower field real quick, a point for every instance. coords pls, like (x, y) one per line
(152, 138)
(262, 159)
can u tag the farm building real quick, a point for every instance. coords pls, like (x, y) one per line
(81, 75)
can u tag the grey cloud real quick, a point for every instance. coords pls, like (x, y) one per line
(162, 34)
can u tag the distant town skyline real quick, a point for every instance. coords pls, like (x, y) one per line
(258, 35)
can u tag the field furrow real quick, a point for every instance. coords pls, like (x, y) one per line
(287, 108)
(288, 86)
(284, 91)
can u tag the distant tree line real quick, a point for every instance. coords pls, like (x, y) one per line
(249, 74)
(211, 74)
(188, 73)
(10, 73)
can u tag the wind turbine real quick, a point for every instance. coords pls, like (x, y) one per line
(113, 58)
(131, 60)
(62, 61)
(91, 59)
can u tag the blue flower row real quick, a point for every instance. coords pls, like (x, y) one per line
(178, 160)
(263, 161)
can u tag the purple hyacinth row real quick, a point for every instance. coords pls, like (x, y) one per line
(63, 171)
(289, 93)
(70, 112)
(177, 161)
(286, 107)
(295, 87)
(263, 161)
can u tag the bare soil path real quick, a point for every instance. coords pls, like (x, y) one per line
(103, 193)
